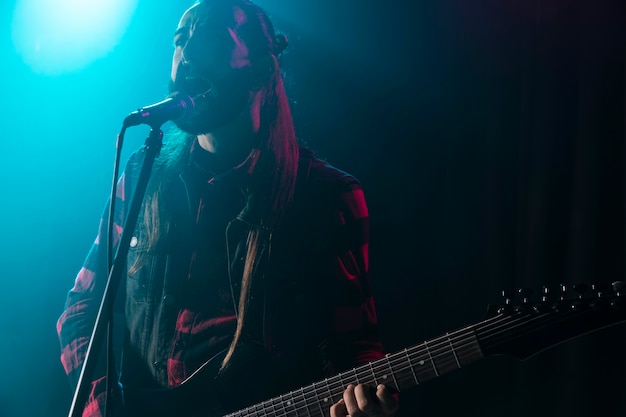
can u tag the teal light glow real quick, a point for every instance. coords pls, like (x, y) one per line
(58, 36)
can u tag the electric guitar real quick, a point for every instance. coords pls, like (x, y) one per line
(517, 329)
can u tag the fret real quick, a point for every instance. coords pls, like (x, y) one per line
(443, 357)
(289, 404)
(281, 403)
(470, 351)
(373, 373)
(430, 356)
(328, 400)
(272, 404)
(305, 402)
(424, 372)
(456, 358)
(366, 376)
(296, 401)
(356, 375)
(259, 409)
(318, 400)
(392, 374)
(338, 387)
(408, 358)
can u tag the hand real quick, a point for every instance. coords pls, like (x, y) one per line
(366, 401)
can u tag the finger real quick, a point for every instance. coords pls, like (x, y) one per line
(339, 409)
(388, 399)
(352, 405)
(365, 398)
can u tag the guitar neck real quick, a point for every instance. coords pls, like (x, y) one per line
(400, 371)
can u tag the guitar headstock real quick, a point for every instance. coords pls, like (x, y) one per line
(526, 324)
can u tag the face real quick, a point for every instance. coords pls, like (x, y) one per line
(211, 63)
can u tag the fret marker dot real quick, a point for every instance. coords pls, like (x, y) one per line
(421, 362)
(288, 402)
(325, 400)
(384, 376)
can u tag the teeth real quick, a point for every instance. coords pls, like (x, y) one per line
(195, 86)
(195, 77)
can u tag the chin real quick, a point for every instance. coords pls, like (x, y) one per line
(196, 126)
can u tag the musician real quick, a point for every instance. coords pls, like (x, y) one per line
(249, 249)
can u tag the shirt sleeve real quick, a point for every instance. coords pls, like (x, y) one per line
(75, 325)
(356, 335)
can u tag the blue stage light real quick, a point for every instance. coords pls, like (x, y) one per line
(58, 36)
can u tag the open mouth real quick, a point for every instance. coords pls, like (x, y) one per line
(192, 85)
(191, 82)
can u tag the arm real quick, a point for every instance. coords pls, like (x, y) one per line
(355, 312)
(75, 325)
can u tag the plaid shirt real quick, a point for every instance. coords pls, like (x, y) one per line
(353, 306)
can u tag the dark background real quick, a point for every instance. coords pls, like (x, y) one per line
(489, 138)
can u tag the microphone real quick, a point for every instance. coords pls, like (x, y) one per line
(175, 107)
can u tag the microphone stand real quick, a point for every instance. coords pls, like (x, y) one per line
(152, 147)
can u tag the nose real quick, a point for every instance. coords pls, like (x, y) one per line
(190, 50)
(183, 68)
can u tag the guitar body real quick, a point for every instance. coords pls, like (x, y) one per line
(182, 401)
(208, 392)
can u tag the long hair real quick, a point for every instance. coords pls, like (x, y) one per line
(275, 160)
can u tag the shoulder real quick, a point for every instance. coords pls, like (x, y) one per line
(160, 165)
(135, 162)
(325, 179)
(321, 173)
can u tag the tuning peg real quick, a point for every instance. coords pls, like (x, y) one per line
(600, 288)
(563, 290)
(580, 289)
(526, 293)
(618, 287)
(547, 299)
(508, 295)
(548, 295)
(616, 300)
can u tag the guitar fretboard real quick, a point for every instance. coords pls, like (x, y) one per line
(401, 370)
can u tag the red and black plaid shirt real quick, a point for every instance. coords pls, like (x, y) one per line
(353, 311)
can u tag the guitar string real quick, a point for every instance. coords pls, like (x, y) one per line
(492, 334)
(297, 403)
(491, 331)
(299, 400)
(497, 337)
(338, 385)
(498, 333)
(448, 340)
